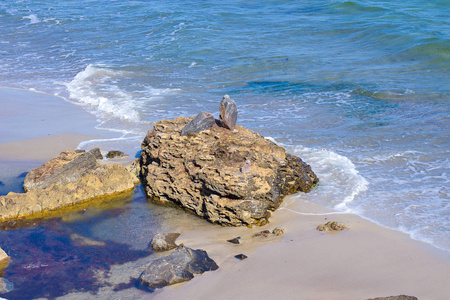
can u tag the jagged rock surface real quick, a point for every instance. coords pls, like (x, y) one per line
(178, 266)
(67, 167)
(204, 172)
(60, 183)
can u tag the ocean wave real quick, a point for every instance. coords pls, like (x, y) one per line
(33, 19)
(340, 182)
(107, 93)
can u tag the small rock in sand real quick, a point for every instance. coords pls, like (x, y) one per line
(235, 240)
(241, 256)
(164, 241)
(332, 226)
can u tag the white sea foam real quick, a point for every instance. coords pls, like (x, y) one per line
(340, 182)
(108, 94)
(339, 177)
(33, 19)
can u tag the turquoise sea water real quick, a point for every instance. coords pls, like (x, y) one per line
(359, 89)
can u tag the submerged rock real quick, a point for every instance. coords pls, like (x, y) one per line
(332, 226)
(179, 266)
(228, 112)
(204, 173)
(164, 241)
(202, 121)
(6, 286)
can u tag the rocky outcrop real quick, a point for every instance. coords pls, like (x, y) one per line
(332, 226)
(179, 266)
(4, 260)
(67, 167)
(70, 178)
(228, 177)
(164, 241)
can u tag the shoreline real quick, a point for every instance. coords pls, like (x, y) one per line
(364, 262)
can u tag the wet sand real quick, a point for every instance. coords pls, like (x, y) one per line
(363, 262)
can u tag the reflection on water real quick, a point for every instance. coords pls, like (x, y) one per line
(74, 252)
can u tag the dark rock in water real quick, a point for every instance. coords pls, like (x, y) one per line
(2, 184)
(22, 175)
(228, 112)
(179, 266)
(164, 241)
(68, 167)
(235, 240)
(241, 256)
(115, 153)
(96, 152)
(203, 173)
(332, 226)
(400, 297)
(202, 121)
(6, 286)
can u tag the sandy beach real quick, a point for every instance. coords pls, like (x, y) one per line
(363, 262)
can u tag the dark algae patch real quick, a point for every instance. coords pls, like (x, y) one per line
(47, 262)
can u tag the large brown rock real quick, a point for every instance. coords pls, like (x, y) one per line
(52, 185)
(228, 177)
